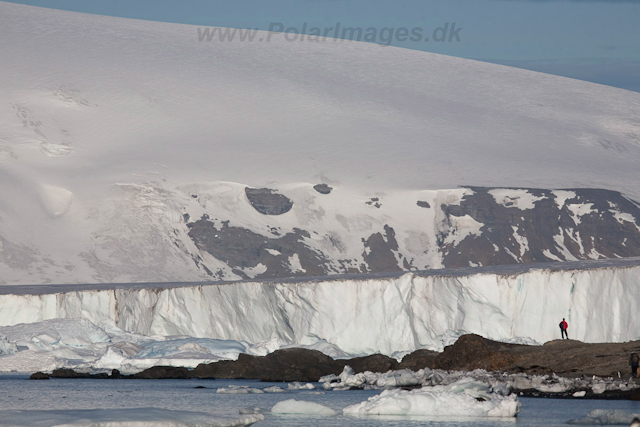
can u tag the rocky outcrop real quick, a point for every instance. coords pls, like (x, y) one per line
(567, 358)
(322, 188)
(163, 373)
(534, 225)
(476, 226)
(419, 359)
(293, 364)
(267, 201)
(39, 376)
(250, 254)
(563, 357)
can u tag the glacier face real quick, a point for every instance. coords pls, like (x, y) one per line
(363, 315)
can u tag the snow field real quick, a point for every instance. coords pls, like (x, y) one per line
(102, 155)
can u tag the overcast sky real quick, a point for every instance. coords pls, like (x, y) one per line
(594, 40)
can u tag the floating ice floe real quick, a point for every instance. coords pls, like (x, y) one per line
(274, 389)
(254, 410)
(125, 417)
(237, 389)
(299, 386)
(301, 407)
(464, 398)
(603, 417)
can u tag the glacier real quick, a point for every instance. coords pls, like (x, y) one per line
(349, 315)
(115, 150)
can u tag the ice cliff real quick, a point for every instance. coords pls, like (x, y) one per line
(400, 312)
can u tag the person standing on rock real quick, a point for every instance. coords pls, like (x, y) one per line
(634, 361)
(563, 329)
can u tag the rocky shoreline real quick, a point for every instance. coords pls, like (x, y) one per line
(560, 368)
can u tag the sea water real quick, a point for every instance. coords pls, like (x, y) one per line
(47, 399)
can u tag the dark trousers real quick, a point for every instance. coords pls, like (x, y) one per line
(563, 333)
(634, 370)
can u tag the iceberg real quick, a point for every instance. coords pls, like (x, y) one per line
(464, 398)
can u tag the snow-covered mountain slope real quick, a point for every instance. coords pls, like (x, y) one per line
(392, 313)
(127, 147)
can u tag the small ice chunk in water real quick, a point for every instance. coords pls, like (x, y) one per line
(466, 398)
(603, 417)
(301, 407)
(253, 411)
(299, 386)
(234, 389)
(274, 389)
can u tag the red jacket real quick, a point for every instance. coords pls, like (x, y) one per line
(563, 325)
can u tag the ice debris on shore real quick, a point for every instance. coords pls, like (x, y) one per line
(465, 397)
(500, 383)
(82, 345)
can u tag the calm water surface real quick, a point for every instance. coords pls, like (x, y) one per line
(18, 394)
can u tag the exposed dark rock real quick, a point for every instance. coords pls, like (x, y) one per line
(374, 201)
(267, 201)
(379, 251)
(241, 248)
(115, 374)
(293, 364)
(471, 351)
(598, 231)
(39, 376)
(322, 188)
(68, 373)
(373, 363)
(163, 373)
(589, 223)
(564, 357)
(567, 358)
(419, 359)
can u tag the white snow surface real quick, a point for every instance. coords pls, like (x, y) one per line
(521, 199)
(301, 407)
(110, 126)
(463, 398)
